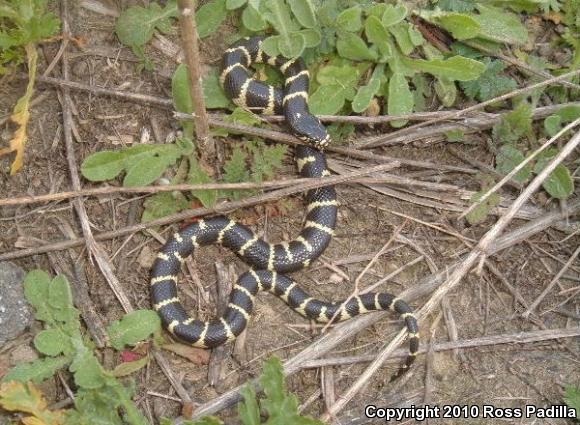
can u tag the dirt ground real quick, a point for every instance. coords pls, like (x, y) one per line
(502, 375)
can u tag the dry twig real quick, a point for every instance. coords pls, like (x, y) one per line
(191, 48)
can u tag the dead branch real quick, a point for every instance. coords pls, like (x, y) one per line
(191, 48)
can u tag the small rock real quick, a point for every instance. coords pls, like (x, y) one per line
(15, 313)
(23, 354)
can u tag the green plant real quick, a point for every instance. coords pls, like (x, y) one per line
(280, 407)
(572, 398)
(514, 139)
(23, 24)
(100, 396)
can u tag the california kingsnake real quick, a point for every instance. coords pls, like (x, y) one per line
(267, 259)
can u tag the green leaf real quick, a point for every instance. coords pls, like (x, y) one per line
(552, 125)
(377, 34)
(270, 45)
(181, 90)
(59, 293)
(266, 159)
(393, 14)
(289, 43)
(88, 373)
(572, 398)
(455, 135)
(457, 5)
(462, 26)
(136, 24)
(210, 16)
(401, 33)
(163, 204)
(514, 125)
(134, 327)
(248, 409)
(303, 10)
(480, 212)
(127, 368)
(510, 157)
(351, 46)
(146, 171)
(350, 19)
(312, 37)
(446, 91)
(36, 285)
(292, 45)
(236, 171)
(456, 68)
(490, 84)
(105, 165)
(569, 113)
(400, 99)
(559, 184)
(51, 342)
(235, 4)
(272, 381)
(36, 371)
(213, 93)
(500, 26)
(252, 19)
(345, 76)
(366, 93)
(327, 100)
(197, 175)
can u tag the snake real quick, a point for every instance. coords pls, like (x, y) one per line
(269, 262)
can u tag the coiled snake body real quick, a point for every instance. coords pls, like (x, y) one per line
(267, 260)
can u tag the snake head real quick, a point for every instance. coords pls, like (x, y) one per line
(309, 129)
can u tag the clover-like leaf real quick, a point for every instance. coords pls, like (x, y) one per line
(377, 34)
(393, 14)
(500, 26)
(456, 68)
(350, 19)
(304, 12)
(366, 93)
(134, 327)
(400, 99)
(351, 46)
(51, 342)
(461, 25)
(136, 24)
(327, 100)
(127, 368)
(510, 157)
(102, 166)
(210, 16)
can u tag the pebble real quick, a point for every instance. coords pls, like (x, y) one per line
(15, 313)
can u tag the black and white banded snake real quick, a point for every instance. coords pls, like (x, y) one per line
(267, 261)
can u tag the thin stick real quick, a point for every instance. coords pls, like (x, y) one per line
(380, 139)
(515, 338)
(114, 190)
(198, 212)
(191, 49)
